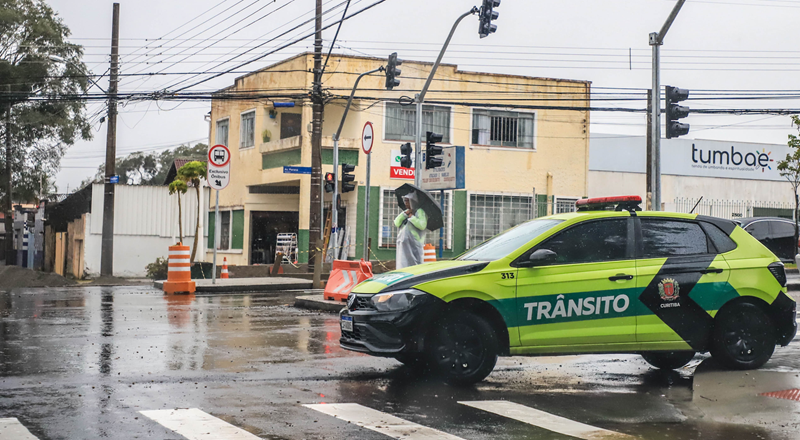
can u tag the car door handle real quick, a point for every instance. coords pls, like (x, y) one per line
(620, 277)
(711, 270)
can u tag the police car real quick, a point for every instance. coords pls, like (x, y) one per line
(608, 278)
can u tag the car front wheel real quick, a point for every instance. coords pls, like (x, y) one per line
(462, 348)
(743, 338)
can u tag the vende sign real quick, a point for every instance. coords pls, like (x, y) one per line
(398, 172)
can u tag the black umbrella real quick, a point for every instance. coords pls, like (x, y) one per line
(426, 202)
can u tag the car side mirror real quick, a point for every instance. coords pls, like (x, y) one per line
(539, 257)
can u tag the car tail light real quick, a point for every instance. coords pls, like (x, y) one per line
(778, 272)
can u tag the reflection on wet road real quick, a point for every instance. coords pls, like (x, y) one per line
(94, 362)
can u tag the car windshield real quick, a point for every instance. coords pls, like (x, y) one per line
(501, 245)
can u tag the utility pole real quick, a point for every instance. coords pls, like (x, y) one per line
(107, 250)
(656, 40)
(315, 251)
(9, 220)
(649, 164)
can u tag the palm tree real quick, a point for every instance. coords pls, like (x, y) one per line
(179, 187)
(192, 172)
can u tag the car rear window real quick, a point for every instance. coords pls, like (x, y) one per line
(669, 238)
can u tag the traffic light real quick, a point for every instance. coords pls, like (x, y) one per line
(348, 178)
(392, 72)
(433, 151)
(487, 14)
(330, 180)
(406, 151)
(675, 112)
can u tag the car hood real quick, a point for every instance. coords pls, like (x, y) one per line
(411, 276)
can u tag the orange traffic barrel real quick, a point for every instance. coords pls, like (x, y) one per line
(179, 276)
(430, 253)
(224, 268)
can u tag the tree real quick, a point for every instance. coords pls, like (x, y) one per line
(41, 77)
(192, 172)
(179, 187)
(149, 168)
(790, 169)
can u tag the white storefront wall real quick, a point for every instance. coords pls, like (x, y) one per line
(714, 170)
(145, 225)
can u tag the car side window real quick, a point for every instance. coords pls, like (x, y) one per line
(781, 229)
(669, 238)
(759, 230)
(720, 240)
(590, 242)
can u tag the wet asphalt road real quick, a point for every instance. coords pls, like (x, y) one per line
(81, 363)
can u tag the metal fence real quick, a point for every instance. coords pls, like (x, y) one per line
(735, 209)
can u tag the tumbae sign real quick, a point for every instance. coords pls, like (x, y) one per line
(219, 167)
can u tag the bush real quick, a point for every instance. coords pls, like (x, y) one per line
(158, 270)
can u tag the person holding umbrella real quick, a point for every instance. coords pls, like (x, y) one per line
(413, 223)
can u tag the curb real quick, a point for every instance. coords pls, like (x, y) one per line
(316, 302)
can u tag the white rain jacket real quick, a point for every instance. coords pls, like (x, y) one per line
(411, 236)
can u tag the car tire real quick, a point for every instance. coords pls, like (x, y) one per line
(743, 337)
(462, 348)
(668, 360)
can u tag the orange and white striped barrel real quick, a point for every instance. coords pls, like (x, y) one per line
(224, 273)
(430, 253)
(179, 276)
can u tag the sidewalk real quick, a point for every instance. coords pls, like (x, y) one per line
(230, 285)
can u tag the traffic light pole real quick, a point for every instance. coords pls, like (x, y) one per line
(420, 98)
(656, 40)
(334, 205)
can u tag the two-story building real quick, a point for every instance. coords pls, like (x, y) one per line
(526, 145)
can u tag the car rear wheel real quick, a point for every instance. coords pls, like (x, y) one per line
(744, 337)
(462, 348)
(668, 360)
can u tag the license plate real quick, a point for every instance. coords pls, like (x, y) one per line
(347, 323)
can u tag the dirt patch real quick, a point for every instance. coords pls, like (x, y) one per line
(12, 277)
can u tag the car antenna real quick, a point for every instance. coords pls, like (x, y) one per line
(695, 205)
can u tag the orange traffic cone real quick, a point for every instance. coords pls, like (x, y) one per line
(179, 278)
(224, 268)
(430, 253)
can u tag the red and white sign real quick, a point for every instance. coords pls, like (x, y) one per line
(219, 167)
(367, 138)
(398, 172)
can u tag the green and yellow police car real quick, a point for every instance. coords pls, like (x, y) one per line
(608, 278)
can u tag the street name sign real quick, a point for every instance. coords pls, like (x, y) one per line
(296, 170)
(219, 167)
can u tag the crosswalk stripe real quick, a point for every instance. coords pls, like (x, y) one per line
(381, 422)
(12, 429)
(197, 425)
(545, 420)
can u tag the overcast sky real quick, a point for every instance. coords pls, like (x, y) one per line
(713, 45)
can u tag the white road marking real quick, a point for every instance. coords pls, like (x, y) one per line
(197, 425)
(545, 420)
(380, 422)
(12, 429)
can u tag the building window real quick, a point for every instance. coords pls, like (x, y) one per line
(389, 210)
(401, 121)
(290, 125)
(502, 129)
(222, 133)
(491, 214)
(225, 230)
(247, 134)
(565, 204)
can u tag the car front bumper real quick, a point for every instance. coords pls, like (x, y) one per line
(388, 334)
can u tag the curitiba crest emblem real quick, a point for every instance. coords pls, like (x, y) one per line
(669, 289)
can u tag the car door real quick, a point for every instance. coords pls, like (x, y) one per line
(582, 298)
(681, 277)
(782, 239)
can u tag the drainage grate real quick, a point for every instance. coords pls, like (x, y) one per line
(793, 394)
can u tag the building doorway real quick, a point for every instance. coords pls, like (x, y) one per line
(264, 230)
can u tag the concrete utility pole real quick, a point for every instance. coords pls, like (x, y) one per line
(649, 163)
(656, 40)
(107, 250)
(315, 252)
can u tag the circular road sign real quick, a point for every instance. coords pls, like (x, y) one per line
(219, 156)
(367, 138)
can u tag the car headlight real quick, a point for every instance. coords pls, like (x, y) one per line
(396, 301)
